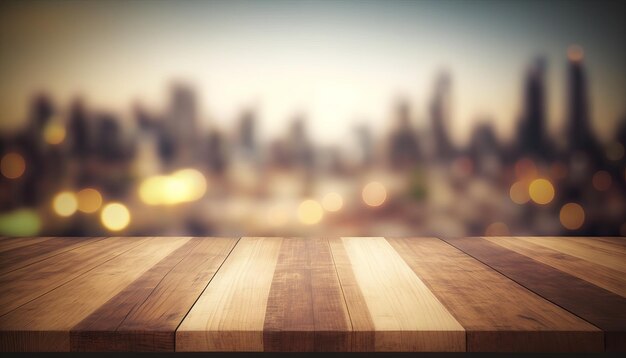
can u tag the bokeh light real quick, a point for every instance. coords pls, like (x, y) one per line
(572, 216)
(602, 180)
(20, 222)
(89, 200)
(575, 53)
(332, 202)
(374, 194)
(65, 203)
(519, 193)
(310, 212)
(182, 186)
(541, 191)
(54, 133)
(12, 165)
(115, 216)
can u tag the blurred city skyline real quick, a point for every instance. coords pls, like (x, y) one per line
(339, 64)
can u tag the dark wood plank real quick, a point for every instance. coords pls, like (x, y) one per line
(600, 275)
(306, 310)
(19, 257)
(596, 305)
(145, 315)
(498, 314)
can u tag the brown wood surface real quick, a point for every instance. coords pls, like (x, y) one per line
(306, 310)
(600, 307)
(312, 294)
(44, 323)
(600, 275)
(22, 256)
(497, 313)
(28, 283)
(145, 315)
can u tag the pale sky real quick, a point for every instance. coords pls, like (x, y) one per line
(339, 62)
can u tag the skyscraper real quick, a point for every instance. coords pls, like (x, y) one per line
(532, 127)
(440, 116)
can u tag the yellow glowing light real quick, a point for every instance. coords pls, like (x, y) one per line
(54, 133)
(115, 216)
(12, 165)
(182, 186)
(615, 151)
(497, 229)
(310, 212)
(519, 193)
(541, 191)
(332, 202)
(89, 200)
(602, 180)
(65, 203)
(374, 194)
(575, 53)
(572, 216)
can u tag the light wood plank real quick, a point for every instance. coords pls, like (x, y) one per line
(601, 256)
(600, 275)
(406, 315)
(230, 313)
(26, 255)
(306, 310)
(44, 324)
(497, 313)
(602, 308)
(145, 315)
(23, 285)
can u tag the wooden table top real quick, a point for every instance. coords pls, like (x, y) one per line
(312, 294)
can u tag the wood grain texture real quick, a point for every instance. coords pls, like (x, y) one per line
(602, 308)
(601, 255)
(26, 284)
(600, 275)
(306, 311)
(144, 316)
(22, 256)
(406, 316)
(44, 323)
(498, 314)
(10, 243)
(230, 313)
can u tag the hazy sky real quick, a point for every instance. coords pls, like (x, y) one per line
(340, 62)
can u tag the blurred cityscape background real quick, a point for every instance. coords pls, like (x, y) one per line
(114, 123)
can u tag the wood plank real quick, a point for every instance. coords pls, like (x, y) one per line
(599, 255)
(362, 336)
(599, 275)
(306, 310)
(611, 244)
(498, 314)
(145, 315)
(230, 313)
(26, 284)
(10, 243)
(406, 316)
(602, 308)
(22, 256)
(44, 324)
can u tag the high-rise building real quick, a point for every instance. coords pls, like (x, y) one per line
(580, 136)
(440, 117)
(532, 127)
